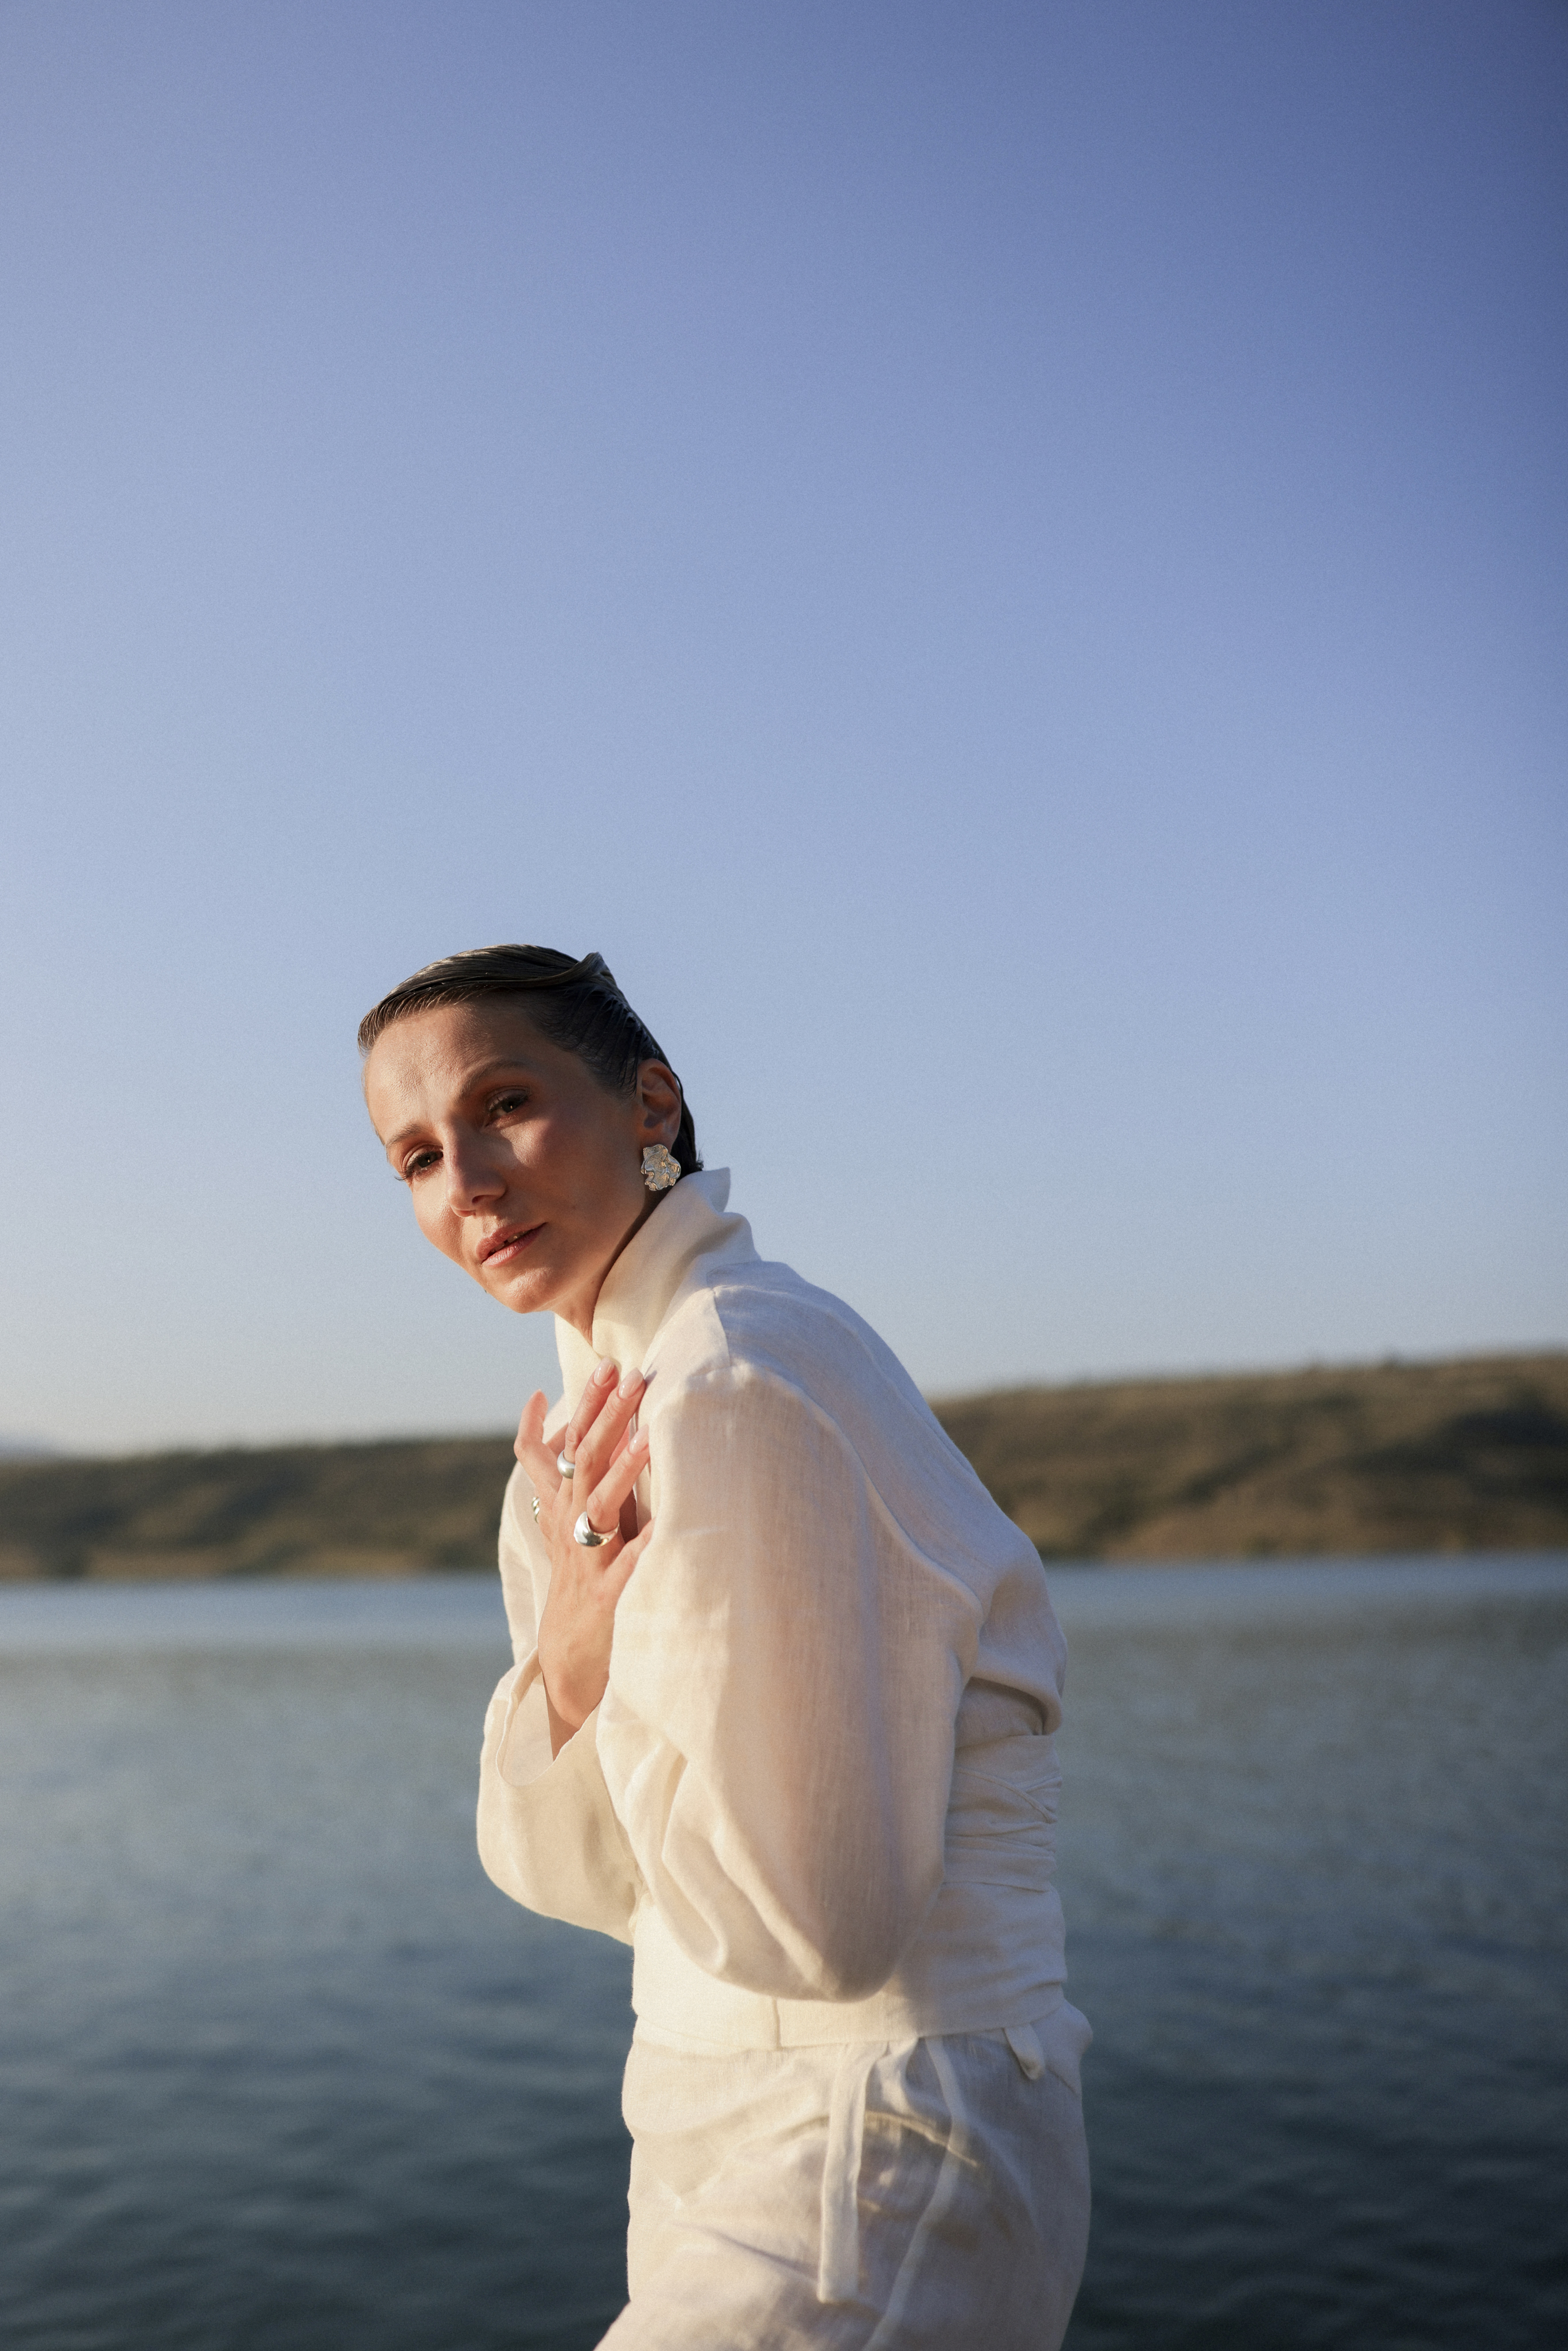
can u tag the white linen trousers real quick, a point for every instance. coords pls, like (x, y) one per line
(819, 1800)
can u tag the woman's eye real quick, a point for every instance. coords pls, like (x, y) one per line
(501, 1103)
(416, 1163)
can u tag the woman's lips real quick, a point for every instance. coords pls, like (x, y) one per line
(508, 1245)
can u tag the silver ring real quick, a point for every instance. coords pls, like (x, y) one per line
(567, 1469)
(588, 1537)
(535, 1500)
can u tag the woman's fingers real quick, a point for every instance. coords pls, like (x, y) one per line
(594, 1441)
(615, 1409)
(536, 1456)
(597, 1392)
(606, 1503)
(531, 1425)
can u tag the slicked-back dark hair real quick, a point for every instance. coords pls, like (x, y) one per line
(573, 1003)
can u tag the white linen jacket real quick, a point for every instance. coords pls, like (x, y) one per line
(819, 1795)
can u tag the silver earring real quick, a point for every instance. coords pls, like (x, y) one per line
(661, 1168)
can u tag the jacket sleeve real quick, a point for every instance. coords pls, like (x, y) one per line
(548, 1832)
(777, 1737)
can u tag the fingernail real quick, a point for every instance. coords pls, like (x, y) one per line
(630, 1382)
(605, 1372)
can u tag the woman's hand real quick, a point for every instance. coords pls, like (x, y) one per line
(585, 1583)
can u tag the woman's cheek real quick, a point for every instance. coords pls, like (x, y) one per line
(436, 1221)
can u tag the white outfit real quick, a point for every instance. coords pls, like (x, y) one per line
(819, 1800)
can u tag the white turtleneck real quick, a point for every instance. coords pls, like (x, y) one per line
(819, 1794)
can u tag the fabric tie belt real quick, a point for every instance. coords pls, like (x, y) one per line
(839, 2266)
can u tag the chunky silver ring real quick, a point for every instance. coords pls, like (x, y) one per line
(568, 1469)
(588, 1537)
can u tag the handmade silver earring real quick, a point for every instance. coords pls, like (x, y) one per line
(661, 1168)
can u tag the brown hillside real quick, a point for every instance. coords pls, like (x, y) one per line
(296, 1509)
(1463, 1455)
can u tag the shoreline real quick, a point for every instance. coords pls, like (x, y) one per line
(1411, 1459)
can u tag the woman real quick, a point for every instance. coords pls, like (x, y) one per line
(782, 1716)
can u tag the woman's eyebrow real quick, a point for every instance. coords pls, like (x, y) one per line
(472, 1079)
(488, 1070)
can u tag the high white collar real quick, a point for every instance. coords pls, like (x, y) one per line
(688, 1225)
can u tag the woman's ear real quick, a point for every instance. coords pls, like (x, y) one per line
(658, 1103)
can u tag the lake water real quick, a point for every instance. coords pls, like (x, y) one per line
(282, 2072)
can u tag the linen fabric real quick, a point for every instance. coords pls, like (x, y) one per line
(931, 2196)
(819, 1800)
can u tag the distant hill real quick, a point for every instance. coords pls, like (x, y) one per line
(286, 1510)
(1471, 1454)
(1463, 1455)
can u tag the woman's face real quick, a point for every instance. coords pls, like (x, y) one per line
(523, 1169)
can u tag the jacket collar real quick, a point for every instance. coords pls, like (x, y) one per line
(687, 1230)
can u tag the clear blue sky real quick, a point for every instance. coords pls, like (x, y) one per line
(1005, 563)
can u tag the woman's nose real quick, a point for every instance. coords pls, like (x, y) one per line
(473, 1179)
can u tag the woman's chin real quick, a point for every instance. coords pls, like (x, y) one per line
(523, 1289)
